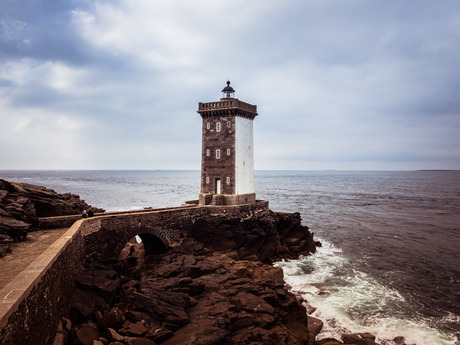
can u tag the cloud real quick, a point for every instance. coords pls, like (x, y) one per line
(338, 84)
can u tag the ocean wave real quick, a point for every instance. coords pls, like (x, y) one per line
(350, 301)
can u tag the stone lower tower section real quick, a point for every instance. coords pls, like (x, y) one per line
(227, 155)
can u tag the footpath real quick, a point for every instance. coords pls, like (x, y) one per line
(25, 252)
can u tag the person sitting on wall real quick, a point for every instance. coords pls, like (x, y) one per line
(90, 212)
(84, 214)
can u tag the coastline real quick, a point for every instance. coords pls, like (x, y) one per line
(316, 226)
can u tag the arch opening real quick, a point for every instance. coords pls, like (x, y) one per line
(152, 244)
(142, 245)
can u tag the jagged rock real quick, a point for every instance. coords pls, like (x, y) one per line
(359, 339)
(269, 236)
(87, 334)
(139, 341)
(314, 327)
(59, 339)
(114, 336)
(328, 341)
(84, 303)
(113, 319)
(210, 336)
(252, 303)
(21, 204)
(399, 340)
(160, 334)
(136, 329)
(13, 230)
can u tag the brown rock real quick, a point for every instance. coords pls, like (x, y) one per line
(159, 334)
(83, 303)
(314, 327)
(138, 341)
(136, 329)
(113, 319)
(328, 341)
(254, 336)
(358, 339)
(399, 340)
(87, 333)
(252, 303)
(114, 336)
(59, 339)
(21, 204)
(210, 336)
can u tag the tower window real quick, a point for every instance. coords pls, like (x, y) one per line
(218, 153)
(229, 124)
(208, 125)
(228, 180)
(208, 153)
(207, 179)
(228, 152)
(218, 126)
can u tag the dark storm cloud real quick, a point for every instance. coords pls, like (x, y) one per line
(40, 30)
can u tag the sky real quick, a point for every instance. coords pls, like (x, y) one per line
(339, 84)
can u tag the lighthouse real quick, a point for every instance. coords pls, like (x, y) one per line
(227, 154)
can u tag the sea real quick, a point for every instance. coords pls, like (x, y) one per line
(389, 263)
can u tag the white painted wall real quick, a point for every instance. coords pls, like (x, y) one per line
(244, 156)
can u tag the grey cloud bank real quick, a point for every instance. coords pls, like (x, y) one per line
(338, 84)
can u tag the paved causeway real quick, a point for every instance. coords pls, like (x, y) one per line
(25, 252)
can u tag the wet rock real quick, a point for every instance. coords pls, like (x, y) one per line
(314, 328)
(359, 339)
(399, 340)
(328, 341)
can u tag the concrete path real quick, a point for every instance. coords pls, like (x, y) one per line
(25, 252)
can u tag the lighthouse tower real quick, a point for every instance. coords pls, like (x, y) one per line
(227, 155)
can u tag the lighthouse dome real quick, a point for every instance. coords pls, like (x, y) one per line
(228, 91)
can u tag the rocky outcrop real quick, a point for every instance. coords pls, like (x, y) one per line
(21, 204)
(269, 236)
(215, 288)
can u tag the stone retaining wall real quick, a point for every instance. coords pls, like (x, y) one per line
(32, 304)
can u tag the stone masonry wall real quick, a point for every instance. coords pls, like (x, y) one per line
(223, 167)
(34, 302)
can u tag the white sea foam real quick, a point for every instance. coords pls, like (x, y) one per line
(350, 301)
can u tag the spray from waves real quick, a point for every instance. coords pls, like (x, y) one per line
(350, 301)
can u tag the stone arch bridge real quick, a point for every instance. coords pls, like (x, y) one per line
(159, 229)
(34, 302)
